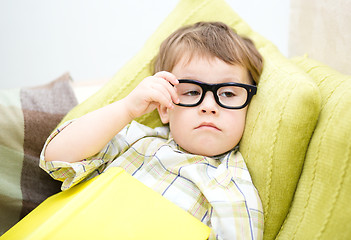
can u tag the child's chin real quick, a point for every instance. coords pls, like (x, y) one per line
(209, 150)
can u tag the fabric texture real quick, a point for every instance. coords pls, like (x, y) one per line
(28, 115)
(217, 191)
(280, 120)
(321, 207)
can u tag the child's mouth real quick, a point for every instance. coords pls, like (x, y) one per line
(208, 125)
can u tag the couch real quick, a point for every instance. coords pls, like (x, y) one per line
(296, 141)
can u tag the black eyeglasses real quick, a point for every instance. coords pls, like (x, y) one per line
(229, 95)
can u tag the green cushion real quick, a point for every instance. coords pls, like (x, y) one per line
(280, 120)
(280, 123)
(321, 207)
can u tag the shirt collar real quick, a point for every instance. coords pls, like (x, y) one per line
(175, 146)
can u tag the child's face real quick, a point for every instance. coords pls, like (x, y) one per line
(207, 129)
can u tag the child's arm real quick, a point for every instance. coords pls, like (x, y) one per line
(89, 134)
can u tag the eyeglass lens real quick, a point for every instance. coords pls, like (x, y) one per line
(231, 96)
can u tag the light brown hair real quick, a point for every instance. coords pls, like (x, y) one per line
(214, 39)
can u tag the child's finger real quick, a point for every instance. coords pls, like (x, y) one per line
(167, 76)
(167, 92)
(170, 90)
(161, 97)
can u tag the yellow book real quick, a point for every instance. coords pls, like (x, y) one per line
(113, 205)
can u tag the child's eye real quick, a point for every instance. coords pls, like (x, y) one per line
(192, 93)
(227, 94)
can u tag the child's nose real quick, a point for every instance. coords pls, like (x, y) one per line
(209, 104)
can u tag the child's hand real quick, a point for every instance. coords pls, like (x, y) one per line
(151, 92)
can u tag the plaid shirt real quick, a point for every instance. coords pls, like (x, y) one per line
(218, 191)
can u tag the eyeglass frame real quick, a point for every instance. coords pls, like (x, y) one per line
(250, 89)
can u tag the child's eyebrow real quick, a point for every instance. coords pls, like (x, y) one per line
(231, 79)
(189, 76)
(222, 80)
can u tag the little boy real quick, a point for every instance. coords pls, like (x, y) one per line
(205, 78)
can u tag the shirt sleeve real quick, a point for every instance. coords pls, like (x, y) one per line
(72, 173)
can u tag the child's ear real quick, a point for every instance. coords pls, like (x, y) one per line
(163, 112)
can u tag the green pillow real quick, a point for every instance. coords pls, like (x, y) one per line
(280, 120)
(280, 123)
(321, 206)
